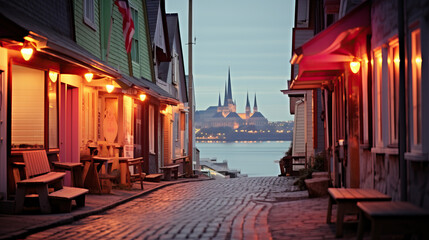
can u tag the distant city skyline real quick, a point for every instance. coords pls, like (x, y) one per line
(251, 37)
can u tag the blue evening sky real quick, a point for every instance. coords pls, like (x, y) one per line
(253, 38)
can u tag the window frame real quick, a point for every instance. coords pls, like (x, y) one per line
(393, 92)
(416, 96)
(378, 84)
(135, 53)
(89, 14)
(46, 122)
(151, 110)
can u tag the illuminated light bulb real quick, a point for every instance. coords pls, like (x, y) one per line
(26, 52)
(418, 60)
(142, 97)
(396, 60)
(53, 76)
(109, 88)
(88, 77)
(355, 66)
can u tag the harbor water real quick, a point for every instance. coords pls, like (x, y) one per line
(256, 159)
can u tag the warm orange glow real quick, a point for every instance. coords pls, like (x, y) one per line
(418, 60)
(396, 60)
(26, 52)
(53, 76)
(109, 88)
(89, 76)
(142, 97)
(355, 66)
(168, 109)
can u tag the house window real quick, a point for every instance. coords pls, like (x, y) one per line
(135, 41)
(88, 13)
(53, 114)
(393, 62)
(378, 61)
(302, 13)
(416, 67)
(151, 129)
(29, 101)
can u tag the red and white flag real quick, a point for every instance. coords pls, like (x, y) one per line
(127, 22)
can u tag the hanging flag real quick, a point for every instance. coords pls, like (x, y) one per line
(127, 22)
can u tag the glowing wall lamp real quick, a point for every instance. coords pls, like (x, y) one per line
(142, 97)
(53, 76)
(27, 51)
(110, 87)
(355, 65)
(88, 76)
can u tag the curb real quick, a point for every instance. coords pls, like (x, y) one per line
(69, 219)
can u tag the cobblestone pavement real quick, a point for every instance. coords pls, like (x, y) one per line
(245, 208)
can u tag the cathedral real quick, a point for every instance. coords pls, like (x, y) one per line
(225, 115)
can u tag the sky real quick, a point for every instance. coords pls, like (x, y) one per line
(252, 38)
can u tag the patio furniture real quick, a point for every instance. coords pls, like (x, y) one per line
(393, 218)
(39, 179)
(75, 171)
(169, 170)
(91, 176)
(181, 161)
(155, 177)
(137, 174)
(346, 199)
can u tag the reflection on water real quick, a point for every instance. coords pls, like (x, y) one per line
(256, 159)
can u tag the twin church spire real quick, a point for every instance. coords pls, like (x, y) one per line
(228, 102)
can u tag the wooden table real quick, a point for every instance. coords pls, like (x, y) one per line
(75, 171)
(347, 198)
(393, 218)
(120, 163)
(91, 171)
(170, 169)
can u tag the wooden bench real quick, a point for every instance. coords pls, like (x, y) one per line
(182, 161)
(39, 179)
(61, 200)
(170, 169)
(153, 177)
(346, 199)
(393, 218)
(38, 185)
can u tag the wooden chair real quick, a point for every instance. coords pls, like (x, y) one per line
(138, 174)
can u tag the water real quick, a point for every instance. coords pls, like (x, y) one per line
(255, 159)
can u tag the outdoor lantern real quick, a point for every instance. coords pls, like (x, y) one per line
(89, 76)
(27, 51)
(355, 65)
(53, 76)
(110, 87)
(142, 97)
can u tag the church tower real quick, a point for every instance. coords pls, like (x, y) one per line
(231, 105)
(247, 107)
(255, 105)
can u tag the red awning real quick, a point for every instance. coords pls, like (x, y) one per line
(322, 58)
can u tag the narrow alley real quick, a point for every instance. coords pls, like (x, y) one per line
(220, 209)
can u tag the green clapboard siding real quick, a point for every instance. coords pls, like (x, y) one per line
(117, 54)
(87, 36)
(96, 41)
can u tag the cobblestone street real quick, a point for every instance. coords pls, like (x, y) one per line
(245, 208)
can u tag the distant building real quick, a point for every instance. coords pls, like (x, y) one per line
(225, 115)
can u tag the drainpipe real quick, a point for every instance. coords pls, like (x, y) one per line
(402, 113)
